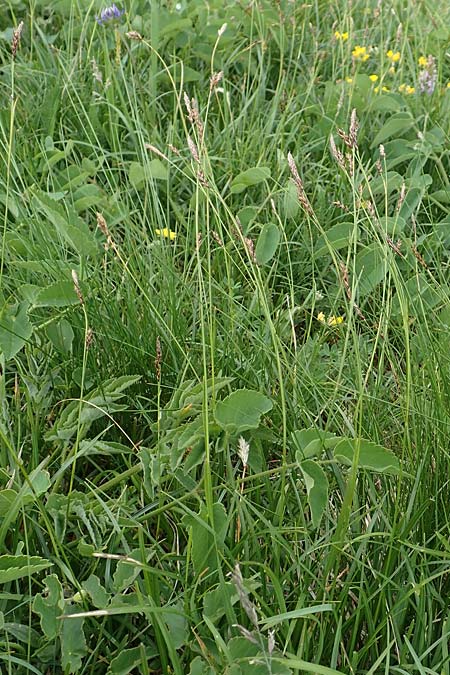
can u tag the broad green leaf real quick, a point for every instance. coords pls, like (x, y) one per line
(177, 625)
(397, 124)
(157, 170)
(246, 215)
(87, 196)
(15, 330)
(60, 294)
(7, 499)
(98, 595)
(267, 243)
(200, 667)
(421, 296)
(242, 410)
(14, 567)
(70, 227)
(291, 205)
(23, 633)
(73, 642)
(37, 484)
(392, 225)
(97, 403)
(372, 456)
(371, 267)
(383, 185)
(250, 177)
(334, 239)
(140, 174)
(317, 488)
(213, 601)
(61, 335)
(206, 536)
(127, 570)
(311, 442)
(129, 659)
(386, 103)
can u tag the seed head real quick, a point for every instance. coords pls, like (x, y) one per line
(76, 285)
(17, 34)
(134, 35)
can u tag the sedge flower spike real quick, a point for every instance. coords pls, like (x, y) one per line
(109, 14)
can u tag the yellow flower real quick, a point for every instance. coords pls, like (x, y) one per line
(360, 53)
(350, 80)
(331, 321)
(168, 234)
(335, 320)
(341, 36)
(374, 78)
(448, 85)
(423, 61)
(406, 89)
(410, 90)
(393, 56)
(377, 89)
(392, 70)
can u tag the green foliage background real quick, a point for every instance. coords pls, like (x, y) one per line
(225, 376)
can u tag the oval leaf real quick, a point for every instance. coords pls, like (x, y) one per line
(371, 456)
(267, 243)
(242, 410)
(246, 179)
(317, 488)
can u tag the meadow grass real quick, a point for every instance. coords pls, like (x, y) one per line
(224, 337)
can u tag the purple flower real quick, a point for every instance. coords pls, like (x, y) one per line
(428, 77)
(109, 13)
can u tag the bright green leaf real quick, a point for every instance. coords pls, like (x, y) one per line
(250, 177)
(14, 567)
(397, 123)
(60, 294)
(15, 330)
(317, 488)
(49, 605)
(267, 243)
(372, 456)
(73, 642)
(242, 410)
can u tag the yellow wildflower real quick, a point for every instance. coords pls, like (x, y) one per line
(392, 70)
(377, 89)
(406, 89)
(374, 78)
(335, 320)
(360, 53)
(393, 56)
(423, 61)
(168, 234)
(448, 85)
(331, 321)
(349, 80)
(341, 36)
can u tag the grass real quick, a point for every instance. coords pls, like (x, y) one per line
(225, 450)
